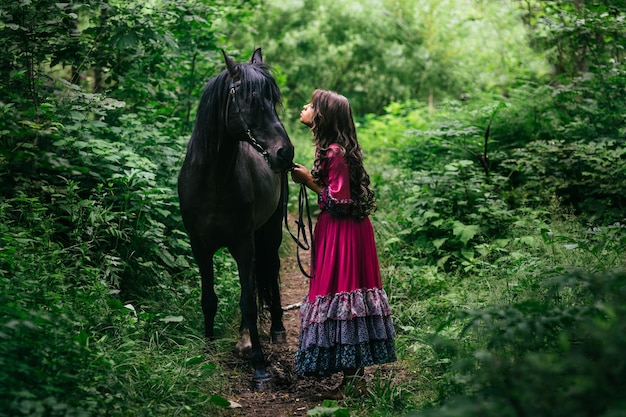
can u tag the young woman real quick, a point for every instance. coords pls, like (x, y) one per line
(345, 319)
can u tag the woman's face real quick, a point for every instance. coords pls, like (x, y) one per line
(307, 114)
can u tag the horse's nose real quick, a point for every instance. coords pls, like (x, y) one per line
(285, 154)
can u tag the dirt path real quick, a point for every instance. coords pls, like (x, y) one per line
(291, 395)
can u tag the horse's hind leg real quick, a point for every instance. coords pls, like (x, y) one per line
(204, 259)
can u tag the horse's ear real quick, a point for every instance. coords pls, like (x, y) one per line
(257, 57)
(230, 65)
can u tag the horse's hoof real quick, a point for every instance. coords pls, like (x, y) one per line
(279, 337)
(244, 346)
(209, 346)
(262, 384)
(243, 354)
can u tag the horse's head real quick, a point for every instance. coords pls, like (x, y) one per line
(251, 110)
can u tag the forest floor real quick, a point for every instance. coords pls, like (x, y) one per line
(290, 394)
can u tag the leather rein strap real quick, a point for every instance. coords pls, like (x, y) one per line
(303, 204)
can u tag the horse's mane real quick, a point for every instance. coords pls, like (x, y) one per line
(209, 131)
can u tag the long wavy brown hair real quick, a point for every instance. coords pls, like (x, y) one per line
(333, 123)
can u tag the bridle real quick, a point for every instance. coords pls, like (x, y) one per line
(303, 202)
(249, 137)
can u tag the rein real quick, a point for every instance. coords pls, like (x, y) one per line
(250, 139)
(303, 204)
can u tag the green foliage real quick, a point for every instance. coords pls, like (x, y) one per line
(533, 316)
(71, 346)
(106, 189)
(558, 357)
(585, 175)
(448, 210)
(568, 142)
(28, 45)
(600, 248)
(393, 51)
(578, 37)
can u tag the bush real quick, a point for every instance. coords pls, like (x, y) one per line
(560, 356)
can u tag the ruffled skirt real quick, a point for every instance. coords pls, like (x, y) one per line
(343, 331)
(345, 320)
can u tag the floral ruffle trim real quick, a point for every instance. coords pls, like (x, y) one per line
(346, 332)
(345, 306)
(324, 361)
(336, 207)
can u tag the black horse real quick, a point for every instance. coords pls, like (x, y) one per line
(230, 195)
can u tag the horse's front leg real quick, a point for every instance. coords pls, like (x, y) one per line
(245, 257)
(268, 240)
(204, 259)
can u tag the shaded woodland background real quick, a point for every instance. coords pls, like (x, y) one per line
(494, 134)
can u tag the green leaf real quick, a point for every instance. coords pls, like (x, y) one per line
(391, 240)
(128, 40)
(464, 232)
(328, 408)
(531, 241)
(219, 400)
(439, 242)
(209, 367)
(172, 319)
(467, 253)
(441, 262)
(78, 116)
(194, 361)
(437, 223)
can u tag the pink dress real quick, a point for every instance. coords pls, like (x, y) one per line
(345, 319)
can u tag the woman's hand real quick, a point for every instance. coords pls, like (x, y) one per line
(301, 175)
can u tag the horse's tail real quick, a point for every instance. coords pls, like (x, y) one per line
(265, 296)
(267, 285)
